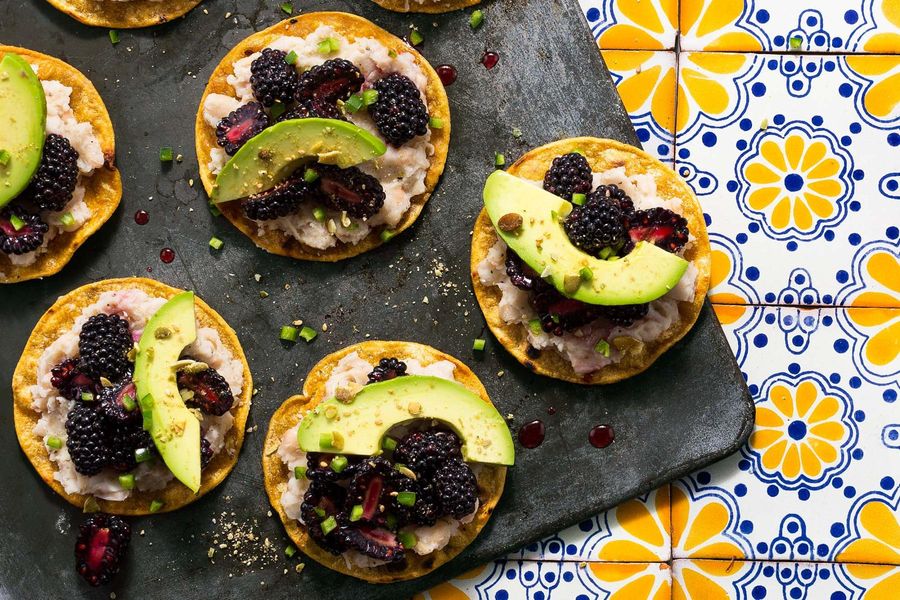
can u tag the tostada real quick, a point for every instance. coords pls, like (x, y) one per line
(58, 182)
(425, 6)
(390, 462)
(124, 14)
(323, 136)
(132, 394)
(590, 259)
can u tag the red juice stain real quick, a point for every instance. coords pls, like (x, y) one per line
(167, 255)
(601, 436)
(490, 59)
(149, 269)
(551, 410)
(141, 217)
(531, 435)
(447, 73)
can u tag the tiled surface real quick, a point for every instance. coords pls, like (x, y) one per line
(794, 153)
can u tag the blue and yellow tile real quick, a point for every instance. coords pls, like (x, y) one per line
(633, 24)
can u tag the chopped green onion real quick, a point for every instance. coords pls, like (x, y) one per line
(578, 151)
(308, 333)
(277, 110)
(113, 36)
(326, 440)
(613, 258)
(319, 511)
(142, 455)
(555, 319)
(156, 505)
(476, 19)
(606, 253)
(291, 57)
(146, 404)
(87, 397)
(67, 219)
(387, 235)
(499, 160)
(356, 512)
(370, 97)
(328, 46)
(127, 481)
(406, 498)
(764, 124)
(91, 505)
(299, 472)
(289, 333)
(392, 53)
(586, 274)
(354, 103)
(290, 551)
(328, 525)
(389, 443)
(4, 157)
(415, 38)
(215, 243)
(310, 175)
(16, 222)
(516, 132)
(214, 210)
(407, 539)
(319, 214)
(128, 402)
(287, 8)
(535, 326)
(338, 463)
(166, 154)
(478, 344)
(54, 442)
(436, 123)
(796, 42)
(602, 347)
(578, 199)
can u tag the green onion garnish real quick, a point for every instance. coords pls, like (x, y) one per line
(499, 160)
(291, 57)
(166, 154)
(407, 539)
(16, 222)
(299, 472)
(602, 347)
(764, 124)
(127, 481)
(308, 333)
(392, 53)
(436, 123)
(326, 440)
(319, 511)
(476, 19)
(67, 219)
(535, 326)
(578, 199)
(113, 36)
(415, 38)
(406, 498)
(54, 442)
(287, 8)
(328, 525)
(354, 103)
(319, 214)
(606, 253)
(555, 319)
(328, 45)
(215, 243)
(146, 404)
(128, 402)
(4, 157)
(310, 175)
(796, 42)
(370, 97)
(142, 455)
(478, 344)
(87, 397)
(387, 235)
(290, 551)
(156, 505)
(586, 274)
(289, 333)
(277, 110)
(356, 512)
(338, 463)
(214, 210)
(389, 443)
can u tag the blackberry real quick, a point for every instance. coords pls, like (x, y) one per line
(318, 467)
(28, 238)
(323, 500)
(614, 195)
(211, 392)
(86, 439)
(661, 226)
(625, 316)
(100, 547)
(425, 451)
(388, 368)
(457, 488)
(309, 109)
(71, 381)
(206, 453)
(375, 542)
(399, 112)
(53, 183)
(521, 275)
(104, 344)
(595, 226)
(358, 194)
(280, 201)
(334, 80)
(240, 125)
(112, 404)
(426, 509)
(569, 174)
(272, 79)
(121, 442)
(559, 314)
(370, 486)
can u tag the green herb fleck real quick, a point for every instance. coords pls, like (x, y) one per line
(87, 397)
(499, 160)
(338, 463)
(142, 455)
(478, 345)
(54, 442)
(156, 505)
(356, 513)
(127, 481)
(299, 472)
(796, 42)
(308, 333)
(354, 103)
(319, 214)
(406, 498)
(605, 253)
(602, 347)
(4, 157)
(389, 443)
(67, 219)
(18, 224)
(370, 97)
(287, 8)
(535, 326)
(407, 539)
(436, 123)
(128, 402)
(310, 175)
(328, 525)
(415, 38)
(291, 58)
(290, 551)
(387, 235)
(288, 333)
(476, 19)
(113, 36)
(578, 199)
(166, 154)
(215, 243)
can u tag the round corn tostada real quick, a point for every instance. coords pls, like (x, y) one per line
(360, 57)
(425, 6)
(632, 342)
(40, 408)
(74, 109)
(281, 447)
(124, 14)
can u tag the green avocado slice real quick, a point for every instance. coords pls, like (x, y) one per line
(270, 156)
(23, 119)
(357, 427)
(174, 428)
(645, 274)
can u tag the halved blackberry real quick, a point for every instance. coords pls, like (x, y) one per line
(53, 183)
(112, 404)
(457, 488)
(559, 314)
(333, 80)
(375, 542)
(27, 238)
(309, 109)
(240, 125)
(569, 174)
(387, 368)
(272, 78)
(211, 392)
(100, 547)
(595, 226)
(86, 439)
(625, 316)
(280, 201)
(521, 275)
(104, 344)
(425, 451)
(399, 112)
(358, 194)
(613, 194)
(71, 381)
(371, 484)
(661, 226)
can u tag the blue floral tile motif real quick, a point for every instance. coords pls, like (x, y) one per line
(869, 525)
(867, 80)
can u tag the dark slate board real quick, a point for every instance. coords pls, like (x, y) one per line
(690, 409)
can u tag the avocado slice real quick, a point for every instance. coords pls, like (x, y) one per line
(645, 274)
(174, 428)
(23, 118)
(358, 427)
(270, 156)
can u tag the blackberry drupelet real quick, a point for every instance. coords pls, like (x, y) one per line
(625, 316)
(569, 174)
(71, 381)
(387, 368)
(240, 125)
(53, 183)
(350, 190)
(521, 275)
(595, 226)
(206, 453)
(457, 488)
(29, 237)
(104, 344)
(425, 451)
(272, 79)
(399, 112)
(614, 195)
(121, 442)
(100, 547)
(661, 226)
(86, 439)
(280, 201)
(112, 404)
(334, 80)
(211, 392)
